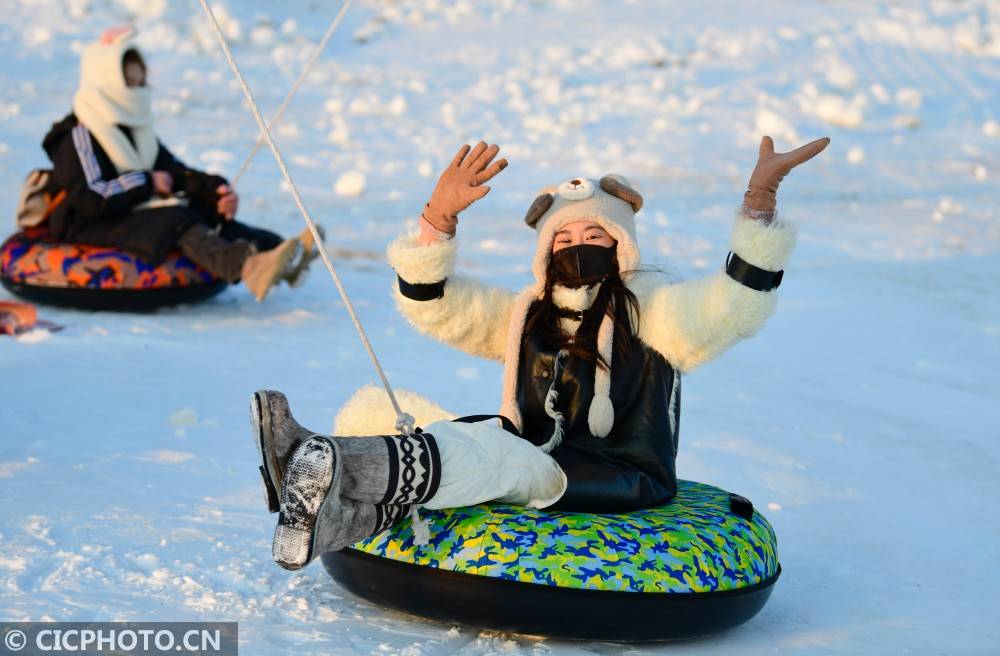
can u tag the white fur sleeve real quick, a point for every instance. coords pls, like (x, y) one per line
(470, 316)
(691, 322)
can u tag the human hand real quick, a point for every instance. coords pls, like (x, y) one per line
(461, 184)
(228, 202)
(163, 183)
(772, 167)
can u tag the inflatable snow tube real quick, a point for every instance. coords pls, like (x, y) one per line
(97, 278)
(703, 563)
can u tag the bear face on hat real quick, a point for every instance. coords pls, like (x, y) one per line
(611, 202)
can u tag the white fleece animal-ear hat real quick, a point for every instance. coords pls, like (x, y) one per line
(612, 203)
(104, 101)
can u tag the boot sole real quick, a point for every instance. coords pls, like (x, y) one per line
(309, 252)
(300, 271)
(262, 437)
(300, 525)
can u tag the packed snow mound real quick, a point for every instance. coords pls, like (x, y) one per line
(350, 184)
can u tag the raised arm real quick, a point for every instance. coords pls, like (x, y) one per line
(453, 309)
(692, 322)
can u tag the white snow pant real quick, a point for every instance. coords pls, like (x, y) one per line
(482, 462)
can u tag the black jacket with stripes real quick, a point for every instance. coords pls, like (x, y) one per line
(99, 203)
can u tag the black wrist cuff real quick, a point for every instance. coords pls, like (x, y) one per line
(421, 292)
(751, 276)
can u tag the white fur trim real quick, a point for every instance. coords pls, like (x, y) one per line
(575, 298)
(369, 412)
(692, 322)
(512, 356)
(764, 245)
(569, 325)
(471, 316)
(418, 263)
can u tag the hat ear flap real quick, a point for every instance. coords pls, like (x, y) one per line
(613, 185)
(538, 209)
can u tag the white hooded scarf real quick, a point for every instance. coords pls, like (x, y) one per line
(103, 102)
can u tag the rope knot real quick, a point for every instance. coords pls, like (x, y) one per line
(405, 423)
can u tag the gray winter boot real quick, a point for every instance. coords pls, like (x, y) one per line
(313, 517)
(379, 469)
(276, 434)
(345, 523)
(390, 469)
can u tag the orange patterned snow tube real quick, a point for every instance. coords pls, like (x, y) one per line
(37, 268)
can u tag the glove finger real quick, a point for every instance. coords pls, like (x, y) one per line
(460, 155)
(479, 192)
(474, 155)
(488, 174)
(485, 158)
(807, 152)
(766, 148)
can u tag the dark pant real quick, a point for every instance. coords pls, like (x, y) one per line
(152, 233)
(264, 240)
(223, 251)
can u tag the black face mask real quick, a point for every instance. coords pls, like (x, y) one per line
(585, 264)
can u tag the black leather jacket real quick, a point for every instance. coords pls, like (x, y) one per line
(631, 468)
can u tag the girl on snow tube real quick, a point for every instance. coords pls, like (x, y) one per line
(593, 351)
(119, 187)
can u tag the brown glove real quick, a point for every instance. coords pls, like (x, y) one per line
(461, 185)
(772, 167)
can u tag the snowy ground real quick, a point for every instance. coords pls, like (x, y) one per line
(863, 418)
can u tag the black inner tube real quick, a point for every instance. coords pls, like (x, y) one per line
(532, 608)
(113, 300)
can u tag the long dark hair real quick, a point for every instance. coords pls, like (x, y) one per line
(613, 299)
